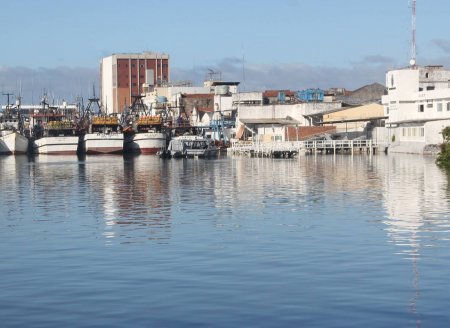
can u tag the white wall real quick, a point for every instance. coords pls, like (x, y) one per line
(106, 96)
(281, 112)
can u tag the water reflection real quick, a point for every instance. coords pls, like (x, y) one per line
(127, 194)
(416, 203)
(133, 196)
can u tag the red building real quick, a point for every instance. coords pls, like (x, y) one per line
(126, 75)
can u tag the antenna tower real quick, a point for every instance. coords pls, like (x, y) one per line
(412, 61)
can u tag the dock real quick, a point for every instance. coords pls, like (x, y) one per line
(289, 149)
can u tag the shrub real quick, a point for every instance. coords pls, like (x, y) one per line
(443, 158)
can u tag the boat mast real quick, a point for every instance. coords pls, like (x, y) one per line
(8, 95)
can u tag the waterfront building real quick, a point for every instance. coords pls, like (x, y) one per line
(280, 121)
(418, 108)
(366, 121)
(126, 75)
(193, 102)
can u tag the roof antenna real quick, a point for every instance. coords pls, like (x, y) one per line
(412, 61)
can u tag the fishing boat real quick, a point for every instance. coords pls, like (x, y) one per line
(145, 136)
(104, 136)
(189, 147)
(12, 140)
(55, 131)
(143, 133)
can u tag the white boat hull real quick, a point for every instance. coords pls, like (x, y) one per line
(12, 143)
(64, 145)
(145, 143)
(101, 143)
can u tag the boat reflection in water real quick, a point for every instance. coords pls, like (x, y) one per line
(132, 193)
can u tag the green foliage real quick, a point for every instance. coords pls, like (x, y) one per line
(446, 134)
(443, 159)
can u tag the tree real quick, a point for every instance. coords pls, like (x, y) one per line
(443, 159)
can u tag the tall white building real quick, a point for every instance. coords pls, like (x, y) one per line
(418, 108)
(126, 75)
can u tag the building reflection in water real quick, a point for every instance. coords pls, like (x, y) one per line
(415, 203)
(131, 194)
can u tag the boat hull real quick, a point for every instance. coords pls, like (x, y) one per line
(208, 153)
(64, 145)
(145, 143)
(13, 143)
(100, 143)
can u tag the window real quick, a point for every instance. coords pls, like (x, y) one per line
(277, 138)
(421, 132)
(430, 105)
(448, 106)
(430, 87)
(439, 107)
(421, 109)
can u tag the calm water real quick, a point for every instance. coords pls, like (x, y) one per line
(234, 242)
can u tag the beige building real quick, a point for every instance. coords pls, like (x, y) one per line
(354, 119)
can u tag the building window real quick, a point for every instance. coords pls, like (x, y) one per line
(403, 132)
(430, 105)
(421, 132)
(421, 108)
(430, 87)
(448, 107)
(439, 107)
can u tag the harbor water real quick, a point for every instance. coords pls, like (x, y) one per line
(315, 241)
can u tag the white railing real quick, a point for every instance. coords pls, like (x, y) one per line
(338, 144)
(296, 146)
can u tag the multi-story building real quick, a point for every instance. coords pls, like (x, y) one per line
(126, 75)
(418, 108)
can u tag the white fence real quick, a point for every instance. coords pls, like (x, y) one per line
(264, 149)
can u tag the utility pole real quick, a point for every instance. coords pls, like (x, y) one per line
(412, 61)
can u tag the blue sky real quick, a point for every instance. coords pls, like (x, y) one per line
(286, 44)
